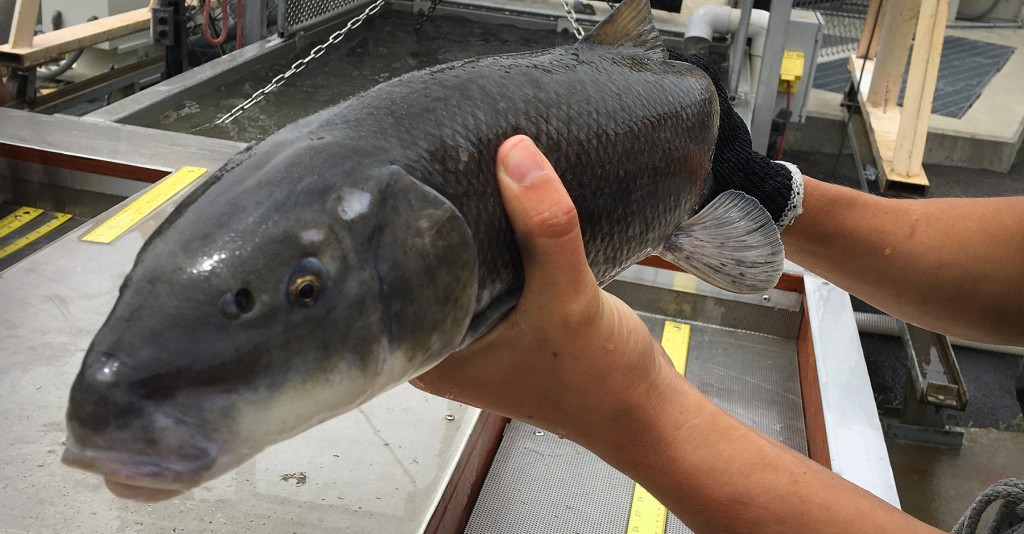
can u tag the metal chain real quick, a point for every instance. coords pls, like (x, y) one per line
(572, 19)
(300, 64)
(430, 11)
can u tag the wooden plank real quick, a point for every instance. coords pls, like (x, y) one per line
(23, 27)
(459, 497)
(893, 48)
(872, 29)
(883, 126)
(80, 163)
(52, 45)
(921, 80)
(810, 394)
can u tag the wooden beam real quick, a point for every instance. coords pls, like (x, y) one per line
(894, 46)
(883, 126)
(23, 27)
(869, 35)
(52, 45)
(456, 503)
(810, 394)
(921, 80)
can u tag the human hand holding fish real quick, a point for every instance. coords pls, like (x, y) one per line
(589, 370)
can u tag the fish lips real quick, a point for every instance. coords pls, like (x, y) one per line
(149, 477)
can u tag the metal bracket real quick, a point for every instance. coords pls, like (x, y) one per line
(162, 26)
(936, 393)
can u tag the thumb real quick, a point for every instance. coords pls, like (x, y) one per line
(545, 222)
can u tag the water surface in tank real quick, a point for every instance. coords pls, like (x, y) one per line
(384, 47)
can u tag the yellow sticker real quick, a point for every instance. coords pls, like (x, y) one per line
(646, 514)
(34, 234)
(16, 219)
(161, 192)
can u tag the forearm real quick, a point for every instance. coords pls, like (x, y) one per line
(719, 475)
(954, 266)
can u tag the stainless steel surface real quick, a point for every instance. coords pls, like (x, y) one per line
(726, 313)
(768, 80)
(855, 440)
(752, 376)
(379, 469)
(541, 483)
(739, 46)
(78, 180)
(297, 15)
(254, 20)
(142, 147)
(677, 281)
(147, 106)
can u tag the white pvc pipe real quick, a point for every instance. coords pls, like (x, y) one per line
(711, 19)
(884, 325)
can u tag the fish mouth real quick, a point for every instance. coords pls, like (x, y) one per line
(141, 477)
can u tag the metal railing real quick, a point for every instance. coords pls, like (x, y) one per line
(297, 15)
(844, 20)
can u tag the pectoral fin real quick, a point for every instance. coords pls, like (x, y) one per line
(732, 243)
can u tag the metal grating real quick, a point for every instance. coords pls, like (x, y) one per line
(295, 15)
(965, 68)
(844, 20)
(540, 483)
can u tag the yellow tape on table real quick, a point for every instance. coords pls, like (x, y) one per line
(646, 514)
(164, 190)
(18, 218)
(34, 234)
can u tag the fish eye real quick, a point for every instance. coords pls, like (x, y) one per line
(306, 282)
(304, 290)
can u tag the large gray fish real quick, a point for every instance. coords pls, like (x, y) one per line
(355, 249)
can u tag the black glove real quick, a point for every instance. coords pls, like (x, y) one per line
(778, 186)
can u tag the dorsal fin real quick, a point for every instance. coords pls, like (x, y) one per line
(630, 25)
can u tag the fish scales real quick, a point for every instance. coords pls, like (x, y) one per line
(630, 135)
(355, 249)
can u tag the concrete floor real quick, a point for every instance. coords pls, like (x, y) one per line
(938, 485)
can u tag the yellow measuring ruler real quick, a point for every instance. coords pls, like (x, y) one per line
(161, 192)
(16, 219)
(34, 234)
(646, 514)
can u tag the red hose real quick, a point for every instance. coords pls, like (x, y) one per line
(223, 24)
(206, 25)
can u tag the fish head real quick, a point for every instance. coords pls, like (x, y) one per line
(255, 313)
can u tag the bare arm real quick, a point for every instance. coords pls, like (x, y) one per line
(589, 370)
(719, 475)
(954, 266)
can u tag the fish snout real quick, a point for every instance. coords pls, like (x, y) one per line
(139, 445)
